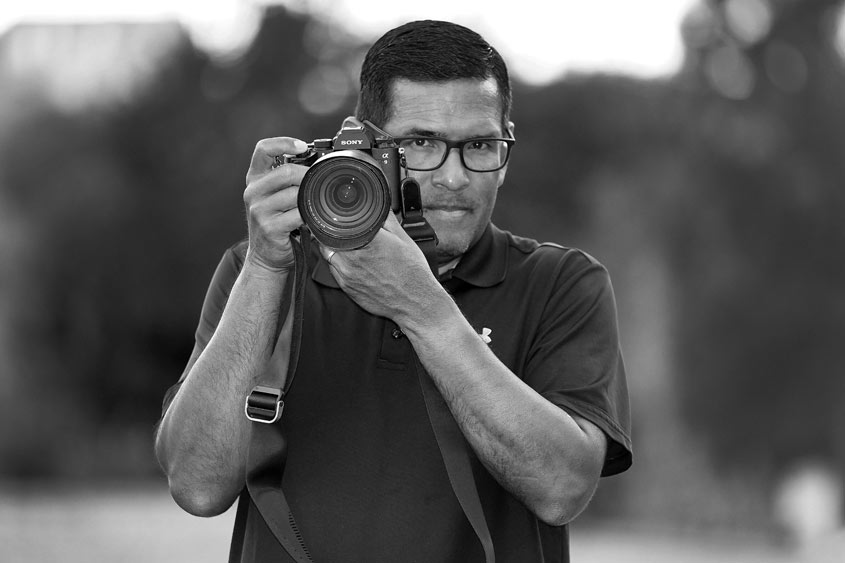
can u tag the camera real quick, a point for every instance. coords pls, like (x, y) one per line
(352, 183)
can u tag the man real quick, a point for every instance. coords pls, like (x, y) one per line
(519, 340)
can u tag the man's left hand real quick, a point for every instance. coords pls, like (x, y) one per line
(389, 277)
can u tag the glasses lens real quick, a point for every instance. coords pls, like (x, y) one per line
(484, 154)
(422, 153)
(479, 155)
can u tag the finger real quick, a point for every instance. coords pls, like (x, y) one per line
(274, 204)
(391, 225)
(328, 254)
(273, 223)
(351, 121)
(266, 151)
(392, 222)
(275, 181)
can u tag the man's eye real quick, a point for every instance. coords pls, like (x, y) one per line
(479, 145)
(426, 143)
(418, 143)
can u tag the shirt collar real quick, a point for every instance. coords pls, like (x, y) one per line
(484, 264)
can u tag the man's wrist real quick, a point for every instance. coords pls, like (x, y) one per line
(260, 266)
(256, 271)
(429, 315)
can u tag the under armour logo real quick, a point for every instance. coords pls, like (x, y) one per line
(485, 335)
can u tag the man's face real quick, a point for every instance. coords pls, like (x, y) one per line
(457, 202)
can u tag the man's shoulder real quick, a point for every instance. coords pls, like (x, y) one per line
(528, 250)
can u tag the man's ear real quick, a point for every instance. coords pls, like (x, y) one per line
(504, 171)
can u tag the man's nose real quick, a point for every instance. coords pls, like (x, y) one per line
(452, 175)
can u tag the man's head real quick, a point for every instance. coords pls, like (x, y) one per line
(427, 51)
(433, 83)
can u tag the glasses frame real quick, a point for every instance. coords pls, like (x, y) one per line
(509, 142)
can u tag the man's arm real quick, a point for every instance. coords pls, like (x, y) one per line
(203, 436)
(545, 457)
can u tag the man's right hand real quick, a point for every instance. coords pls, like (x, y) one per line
(270, 200)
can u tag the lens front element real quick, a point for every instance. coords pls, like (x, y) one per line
(346, 193)
(344, 198)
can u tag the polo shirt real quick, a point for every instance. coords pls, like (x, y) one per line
(364, 476)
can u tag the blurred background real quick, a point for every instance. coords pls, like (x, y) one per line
(694, 147)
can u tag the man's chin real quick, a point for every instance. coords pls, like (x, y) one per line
(451, 247)
(453, 240)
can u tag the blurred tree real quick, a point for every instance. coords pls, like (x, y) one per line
(727, 177)
(128, 220)
(760, 231)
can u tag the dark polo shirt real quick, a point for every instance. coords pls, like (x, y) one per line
(364, 475)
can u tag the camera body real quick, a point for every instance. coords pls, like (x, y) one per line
(352, 183)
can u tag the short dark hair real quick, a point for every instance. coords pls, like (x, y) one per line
(427, 51)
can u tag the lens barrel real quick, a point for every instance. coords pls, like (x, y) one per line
(344, 199)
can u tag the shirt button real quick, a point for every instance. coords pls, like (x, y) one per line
(397, 333)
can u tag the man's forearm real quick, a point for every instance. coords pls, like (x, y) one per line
(203, 437)
(542, 455)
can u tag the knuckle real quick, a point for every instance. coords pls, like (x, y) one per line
(251, 197)
(262, 145)
(255, 211)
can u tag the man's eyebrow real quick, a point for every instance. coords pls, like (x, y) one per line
(416, 132)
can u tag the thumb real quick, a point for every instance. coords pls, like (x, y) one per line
(391, 225)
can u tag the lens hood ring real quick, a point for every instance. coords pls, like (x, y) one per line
(344, 198)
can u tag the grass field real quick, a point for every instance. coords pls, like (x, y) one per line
(142, 525)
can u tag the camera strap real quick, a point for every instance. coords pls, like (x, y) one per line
(267, 451)
(455, 453)
(415, 224)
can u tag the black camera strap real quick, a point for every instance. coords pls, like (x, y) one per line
(415, 223)
(267, 451)
(455, 453)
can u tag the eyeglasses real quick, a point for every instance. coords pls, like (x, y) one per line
(484, 154)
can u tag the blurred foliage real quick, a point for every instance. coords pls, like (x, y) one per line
(128, 220)
(759, 232)
(713, 196)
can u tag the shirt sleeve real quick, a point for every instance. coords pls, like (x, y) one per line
(215, 301)
(576, 360)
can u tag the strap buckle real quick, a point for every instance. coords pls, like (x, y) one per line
(264, 404)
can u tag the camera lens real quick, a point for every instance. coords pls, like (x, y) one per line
(346, 194)
(344, 198)
(342, 194)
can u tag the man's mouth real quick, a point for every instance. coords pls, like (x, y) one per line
(447, 212)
